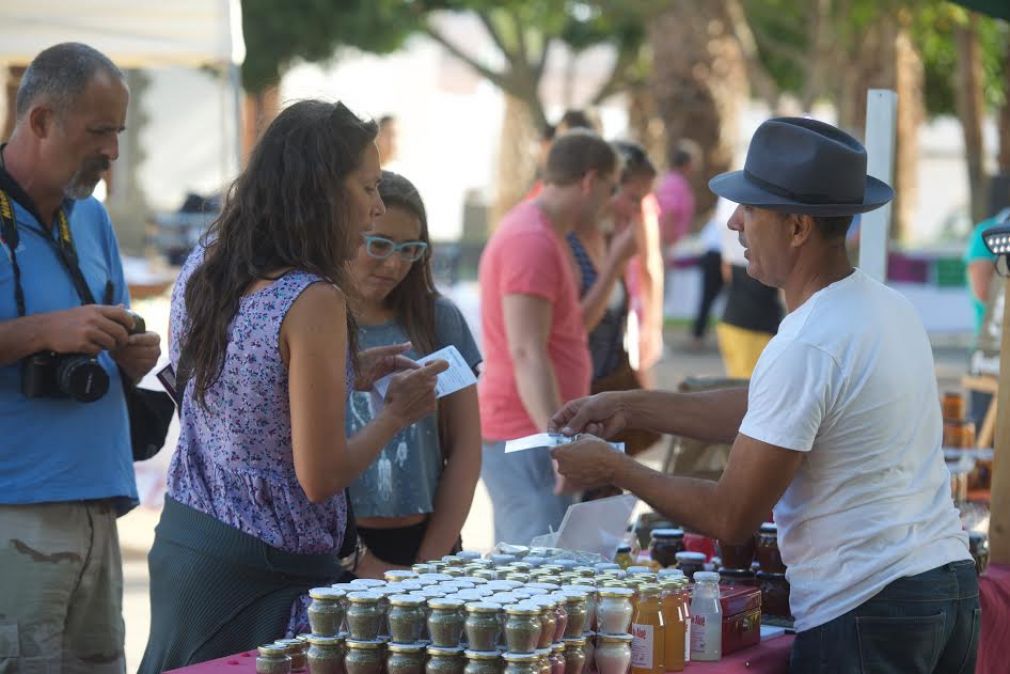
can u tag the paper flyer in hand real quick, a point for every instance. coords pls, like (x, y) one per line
(457, 377)
(549, 440)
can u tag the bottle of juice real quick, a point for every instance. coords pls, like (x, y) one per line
(647, 631)
(674, 626)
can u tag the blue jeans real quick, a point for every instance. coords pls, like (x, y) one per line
(521, 486)
(928, 623)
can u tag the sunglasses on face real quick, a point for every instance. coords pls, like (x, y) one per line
(379, 247)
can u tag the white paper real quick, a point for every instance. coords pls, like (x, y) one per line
(457, 377)
(549, 440)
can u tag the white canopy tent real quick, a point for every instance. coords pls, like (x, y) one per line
(133, 33)
(152, 35)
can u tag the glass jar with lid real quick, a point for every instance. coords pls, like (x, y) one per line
(406, 618)
(768, 556)
(298, 650)
(443, 660)
(483, 662)
(557, 658)
(398, 575)
(367, 583)
(613, 612)
(273, 659)
(405, 658)
(575, 655)
(364, 615)
(590, 650)
(691, 562)
(664, 544)
(363, 657)
(445, 622)
(577, 608)
(326, 610)
(590, 594)
(483, 625)
(423, 568)
(326, 654)
(613, 653)
(544, 660)
(522, 663)
(522, 627)
(548, 619)
(623, 557)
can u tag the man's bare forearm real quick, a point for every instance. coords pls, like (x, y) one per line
(690, 502)
(712, 416)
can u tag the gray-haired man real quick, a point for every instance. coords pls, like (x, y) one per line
(66, 466)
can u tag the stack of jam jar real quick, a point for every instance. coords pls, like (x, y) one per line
(459, 615)
(771, 575)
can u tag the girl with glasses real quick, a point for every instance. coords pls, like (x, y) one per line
(412, 501)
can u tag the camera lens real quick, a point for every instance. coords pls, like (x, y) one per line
(82, 378)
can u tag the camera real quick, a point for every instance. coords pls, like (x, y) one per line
(68, 375)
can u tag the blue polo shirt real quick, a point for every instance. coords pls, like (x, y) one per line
(58, 449)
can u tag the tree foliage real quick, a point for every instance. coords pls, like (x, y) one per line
(278, 33)
(786, 48)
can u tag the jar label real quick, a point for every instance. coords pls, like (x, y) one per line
(641, 646)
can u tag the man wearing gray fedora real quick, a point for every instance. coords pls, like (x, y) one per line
(838, 432)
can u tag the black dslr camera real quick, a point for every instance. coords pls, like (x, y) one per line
(68, 375)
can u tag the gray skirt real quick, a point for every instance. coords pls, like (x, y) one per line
(216, 590)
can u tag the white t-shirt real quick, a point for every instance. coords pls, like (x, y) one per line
(849, 380)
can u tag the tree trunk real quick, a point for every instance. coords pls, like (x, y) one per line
(970, 110)
(884, 57)
(699, 81)
(516, 157)
(259, 109)
(1003, 158)
(910, 77)
(645, 123)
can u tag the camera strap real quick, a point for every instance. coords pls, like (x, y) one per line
(63, 246)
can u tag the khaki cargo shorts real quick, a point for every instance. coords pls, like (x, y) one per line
(61, 589)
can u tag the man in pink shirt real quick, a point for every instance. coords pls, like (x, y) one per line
(536, 354)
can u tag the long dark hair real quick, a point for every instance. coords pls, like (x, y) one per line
(413, 299)
(286, 210)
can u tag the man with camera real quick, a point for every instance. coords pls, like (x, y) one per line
(68, 349)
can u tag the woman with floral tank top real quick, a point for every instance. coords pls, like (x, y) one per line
(262, 340)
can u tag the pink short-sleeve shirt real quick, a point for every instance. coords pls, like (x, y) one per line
(525, 257)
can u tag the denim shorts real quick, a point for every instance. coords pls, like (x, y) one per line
(927, 623)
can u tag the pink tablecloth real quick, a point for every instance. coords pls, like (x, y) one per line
(772, 657)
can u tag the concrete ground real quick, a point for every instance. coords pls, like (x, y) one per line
(136, 529)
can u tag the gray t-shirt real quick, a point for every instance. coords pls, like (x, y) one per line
(404, 477)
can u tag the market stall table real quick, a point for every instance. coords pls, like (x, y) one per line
(772, 656)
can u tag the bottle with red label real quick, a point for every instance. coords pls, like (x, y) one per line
(647, 633)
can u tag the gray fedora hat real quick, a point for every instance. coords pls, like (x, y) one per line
(799, 165)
